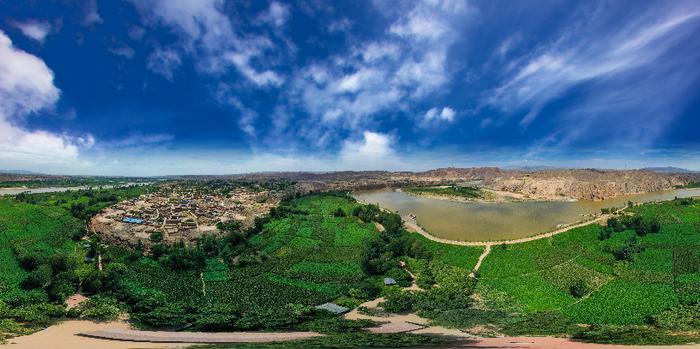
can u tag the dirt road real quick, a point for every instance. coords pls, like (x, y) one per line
(118, 335)
(64, 336)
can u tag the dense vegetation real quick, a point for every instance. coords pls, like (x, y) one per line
(40, 264)
(635, 280)
(448, 191)
(43, 261)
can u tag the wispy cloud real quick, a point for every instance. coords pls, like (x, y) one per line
(92, 16)
(207, 34)
(36, 30)
(630, 82)
(164, 61)
(123, 51)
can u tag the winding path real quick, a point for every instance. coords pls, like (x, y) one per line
(487, 250)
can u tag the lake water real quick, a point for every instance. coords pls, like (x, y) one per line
(477, 221)
(15, 191)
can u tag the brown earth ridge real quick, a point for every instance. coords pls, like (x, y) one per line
(551, 184)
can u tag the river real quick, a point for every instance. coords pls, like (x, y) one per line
(484, 221)
(15, 191)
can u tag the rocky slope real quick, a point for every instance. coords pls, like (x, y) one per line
(588, 184)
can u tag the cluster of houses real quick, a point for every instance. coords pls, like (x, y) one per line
(180, 212)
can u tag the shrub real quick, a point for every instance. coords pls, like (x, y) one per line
(100, 308)
(402, 277)
(92, 281)
(18, 298)
(61, 262)
(170, 315)
(545, 323)
(579, 288)
(267, 318)
(605, 233)
(336, 324)
(156, 236)
(397, 301)
(38, 278)
(217, 318)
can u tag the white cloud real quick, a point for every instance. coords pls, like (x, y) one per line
(261, 78)
(164, 62)
(346, 92)
(123, 51)
(339, 25)
(91, 15)
(435, 117)
(37, 30)
(276, 14)
(246, 117)
(372, 151)
(375, 51)
(26, 83)
(26, 86)
(137, 140)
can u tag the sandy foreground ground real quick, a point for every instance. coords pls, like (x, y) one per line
(63, 336)
(554, 343)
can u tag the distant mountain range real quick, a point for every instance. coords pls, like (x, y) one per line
(669, 169)
(20, 172)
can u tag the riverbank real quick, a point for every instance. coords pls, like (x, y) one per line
(486, 195)
(495, 222)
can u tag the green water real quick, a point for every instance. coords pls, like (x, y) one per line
(476, 221)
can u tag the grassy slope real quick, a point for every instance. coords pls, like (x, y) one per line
(454, 255)
(30, 225)
(537, 275)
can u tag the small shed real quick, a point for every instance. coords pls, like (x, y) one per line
(389, 281)
(332, 308)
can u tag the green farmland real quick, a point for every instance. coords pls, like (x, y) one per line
(638, 275)
(575, 278)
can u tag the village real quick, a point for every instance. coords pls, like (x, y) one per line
(181, 212)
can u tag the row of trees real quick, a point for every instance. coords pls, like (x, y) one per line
(642, 225)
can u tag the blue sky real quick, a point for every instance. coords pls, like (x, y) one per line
(158, 87)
